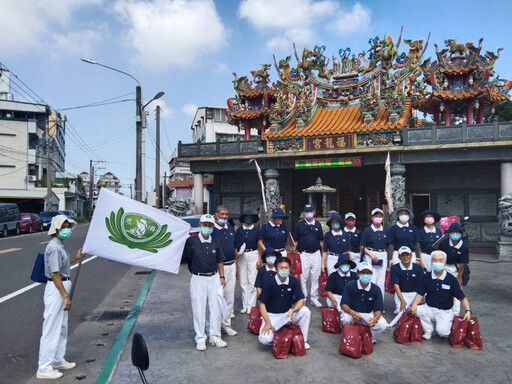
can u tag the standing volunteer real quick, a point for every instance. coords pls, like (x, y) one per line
(429, 234)
(246, 241)
(403, 234)
(405, 276)
(57, 302)
(353, 236)
(309, 238)
(335, 243)
(205, 262)
(273, 234)
(373, 243)
(225, 235)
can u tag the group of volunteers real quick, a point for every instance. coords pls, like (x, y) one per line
(426, 269)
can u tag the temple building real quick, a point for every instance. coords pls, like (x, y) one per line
(344, 118)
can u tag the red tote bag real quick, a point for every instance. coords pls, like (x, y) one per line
(351, 341)
(282, 343)
(474, 337)
(390, 288)
(403, 329)
(296, 267)
(322, 282)
(331, 322)
(458, 332)
(416, 331)
(366, 339)
(255, 321)
(298, 347)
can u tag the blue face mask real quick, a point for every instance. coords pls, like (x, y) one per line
(65, 233)
(270, 259)
(222, 221)
(437, 267)
(335, 226)
(344, 268)
(365, 279)
(284, 273)
(248, 220)
(455, 235)
(207, 231)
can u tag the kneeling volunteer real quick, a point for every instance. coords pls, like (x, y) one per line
(338, 279)
(276, 301)
(362, 301)
(405, 276)
(440, 288)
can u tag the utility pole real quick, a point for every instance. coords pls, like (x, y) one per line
(157, 160)
(138, 154)
(163, 189)
(49, 206)
(92, 163)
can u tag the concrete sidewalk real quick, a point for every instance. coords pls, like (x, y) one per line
(165, 321)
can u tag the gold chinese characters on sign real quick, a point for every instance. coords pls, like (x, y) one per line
(329, 142)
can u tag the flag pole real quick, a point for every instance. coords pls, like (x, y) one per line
(75, 280)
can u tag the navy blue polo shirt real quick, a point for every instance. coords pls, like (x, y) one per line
(406, 279)
(279, 298)
(455, 255)
(308, 236)
(247, 236)
(440, 292)
(427, 239)
(403, 236)
(274, 236)
(374, 239)
(225, 235)
(336, 243)
(202, 256)
(263, 275)
(354, 239)
(361, 300)
(336, 282)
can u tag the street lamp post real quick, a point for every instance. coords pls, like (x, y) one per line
(138, 125)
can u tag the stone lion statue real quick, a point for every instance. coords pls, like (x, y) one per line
(505, 214)
(181, 207)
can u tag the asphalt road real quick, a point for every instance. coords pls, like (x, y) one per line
(21, 317)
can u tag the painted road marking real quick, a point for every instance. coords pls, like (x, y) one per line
(9, 250)
(44, 242)
(29, 287)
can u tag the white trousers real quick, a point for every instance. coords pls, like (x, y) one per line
(355, 257)
(203, 292)
(377, 329)
(311, 263)
(427, 261)
(247, 271)
(408, 296)
(396, 259)
(331, 260)
(452, 270)
(379, 273)
(301, 318)
(442, 317)
(52, 348)
(229, 290)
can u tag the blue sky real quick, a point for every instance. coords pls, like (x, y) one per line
(189, 49)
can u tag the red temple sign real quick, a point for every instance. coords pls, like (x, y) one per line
(326, 143)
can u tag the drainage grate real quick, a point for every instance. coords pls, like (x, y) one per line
(114, 315)
(142, 273)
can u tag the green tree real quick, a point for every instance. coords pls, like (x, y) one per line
(504, 111)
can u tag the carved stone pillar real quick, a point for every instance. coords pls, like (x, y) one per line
(271, 190)
(504, 246)
(398, 184)
(198, 193)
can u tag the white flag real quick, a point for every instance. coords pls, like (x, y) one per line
(130, 232)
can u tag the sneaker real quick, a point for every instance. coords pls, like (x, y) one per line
(374, 341)
(232, 315)
(396, 311)
(201, 346)
(243, 310)
(64, 365)
(427, 336)
(49, 375)
(218, 342)
(229, 331)
(306, 346)
(316, 303)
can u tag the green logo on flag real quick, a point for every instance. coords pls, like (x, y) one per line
(137, 231)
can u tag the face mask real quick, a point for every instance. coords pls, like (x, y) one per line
(284, 273)
(248, 220)
(377, 220)
(455, 235)
(308, 215)
(365, 279)
(429, 220)
(65, 233)
(278, 221)
(207, 231)
(344, 268)
(403, 218)
(270, 260)
(222, 221)
(437, 267)
(335, 226)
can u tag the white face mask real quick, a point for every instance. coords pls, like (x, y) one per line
(309, 215)
(403, 218)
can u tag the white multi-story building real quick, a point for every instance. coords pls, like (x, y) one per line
(210, 124)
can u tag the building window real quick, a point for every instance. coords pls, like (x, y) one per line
(220, 116)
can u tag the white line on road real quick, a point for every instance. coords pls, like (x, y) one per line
(29, 287)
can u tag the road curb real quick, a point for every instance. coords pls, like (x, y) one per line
(117, 348)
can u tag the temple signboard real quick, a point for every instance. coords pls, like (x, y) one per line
(326, 143)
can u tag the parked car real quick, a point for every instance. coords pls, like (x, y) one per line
(31, 222)
(68, 213)
(47, 216)
(9, 219)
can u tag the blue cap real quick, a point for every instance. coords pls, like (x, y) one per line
(309, 207)
(278, 213)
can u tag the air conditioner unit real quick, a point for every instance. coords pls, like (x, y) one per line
(31, 178)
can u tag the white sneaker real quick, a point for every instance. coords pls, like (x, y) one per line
(396, 311)
(229, 331)
(306, 346)
(49, 375)
(244, 310)
(316, 303)
(232, 315)
(64, 365)
(218, 342)
(201, 346)
(427, 336)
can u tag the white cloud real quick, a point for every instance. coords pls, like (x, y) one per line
(356, 20)
(166, 112)
(167, 33)
(189, 109)
(77, 43)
